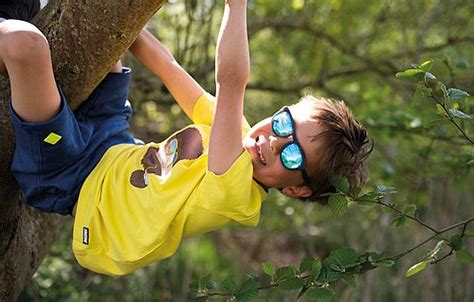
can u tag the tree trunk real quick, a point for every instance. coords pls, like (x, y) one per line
(86, 38)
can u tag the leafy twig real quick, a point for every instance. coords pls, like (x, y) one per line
(463, 223)
(451, 119)
(414, 218)
(444, 257)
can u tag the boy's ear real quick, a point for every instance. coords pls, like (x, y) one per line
(299, 191)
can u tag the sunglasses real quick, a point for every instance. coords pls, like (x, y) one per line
(291, 155)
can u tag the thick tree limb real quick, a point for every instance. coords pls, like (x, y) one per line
(86, 37)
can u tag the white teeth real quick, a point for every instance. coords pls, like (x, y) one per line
(259, 152)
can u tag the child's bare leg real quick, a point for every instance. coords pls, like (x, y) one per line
(24, 52)
(117, 67)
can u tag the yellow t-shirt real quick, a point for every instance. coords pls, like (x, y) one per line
(139, 201)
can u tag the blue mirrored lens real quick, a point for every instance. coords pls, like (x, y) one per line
(282, 124)
(291, 156)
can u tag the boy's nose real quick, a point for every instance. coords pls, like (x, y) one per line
(278, 142)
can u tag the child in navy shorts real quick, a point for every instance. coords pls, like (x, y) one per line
(210, 173)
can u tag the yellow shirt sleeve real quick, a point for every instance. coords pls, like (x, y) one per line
(203, 111)
(233, 194)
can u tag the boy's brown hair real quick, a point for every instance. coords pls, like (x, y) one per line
(344, 147)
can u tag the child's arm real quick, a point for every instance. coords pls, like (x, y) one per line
(232, 72)
(150, 52)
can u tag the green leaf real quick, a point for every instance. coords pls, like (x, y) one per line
(286, 272)
(329, 275)
(415, 269)
(429, 77)
(303, 291)
(199, 299)
(338, 261)
(292, 284)
(464, 257)
(386, 263)
(426, 66)
(338, 267)
(338, 204)
(203, 282)
(247, 291)
(399, 221)
(385, 190)
(410, 209)
(350, 280)
(374, 257)
(440, 110)
(194, 286)
(459, 114)
(306, 264)
(271, 294)
(456, 95)
(345, 256)
(211, 284)
(355, 191)
(373, 195)
(411, 75)
(228, 286)
(438, 249)
(341, 184)
(269, 268)
(455, 242)
(471, 162)
(469, 233)
(369, 198)
(319, 294)
(438, 89)
(316, 269)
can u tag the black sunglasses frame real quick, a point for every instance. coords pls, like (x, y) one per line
(296, 142)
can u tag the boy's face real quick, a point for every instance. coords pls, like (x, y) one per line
(265, 146)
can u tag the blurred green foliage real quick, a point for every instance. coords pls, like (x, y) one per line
(348, 50)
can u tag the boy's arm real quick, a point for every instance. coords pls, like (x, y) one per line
(151, 53)
(232, 72)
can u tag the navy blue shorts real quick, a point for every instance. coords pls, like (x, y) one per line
(52, 159)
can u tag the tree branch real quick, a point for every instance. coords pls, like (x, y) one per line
(451, 119)
(463, 223)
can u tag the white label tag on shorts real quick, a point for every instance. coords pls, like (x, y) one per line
(85, 235)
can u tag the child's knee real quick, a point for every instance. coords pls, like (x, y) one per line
(22, 42)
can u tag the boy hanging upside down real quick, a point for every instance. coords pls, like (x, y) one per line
(133, 203)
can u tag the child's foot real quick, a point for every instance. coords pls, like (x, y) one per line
(19, 9)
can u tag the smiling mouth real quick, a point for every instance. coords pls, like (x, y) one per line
(259, 151)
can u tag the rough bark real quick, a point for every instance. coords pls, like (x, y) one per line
(86, 38)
